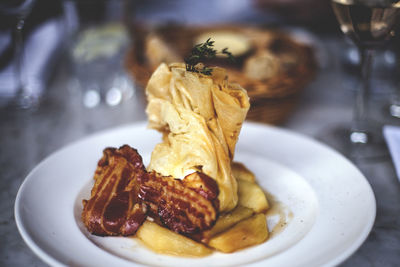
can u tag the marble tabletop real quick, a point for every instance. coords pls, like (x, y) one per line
(28, 136)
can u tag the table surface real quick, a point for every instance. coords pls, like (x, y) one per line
(27, 137)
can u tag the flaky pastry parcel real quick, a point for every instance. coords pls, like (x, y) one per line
(200, 118)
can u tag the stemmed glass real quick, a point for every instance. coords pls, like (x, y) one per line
(369, 24)
(19, 10)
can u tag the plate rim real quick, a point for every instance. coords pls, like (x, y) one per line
(49, 259)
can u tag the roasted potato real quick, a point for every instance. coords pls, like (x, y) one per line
(165, 241)
(240, 171)
(252, 196)
(249, 232)
(226, 221)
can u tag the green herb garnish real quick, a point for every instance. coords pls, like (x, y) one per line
(202, 52)
(229, 54)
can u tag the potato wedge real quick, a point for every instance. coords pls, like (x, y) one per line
(227, 220)
(241, 172)
(165, 241)
(249, 232)
(252, 196)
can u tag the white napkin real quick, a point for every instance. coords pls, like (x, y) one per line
(392, 137)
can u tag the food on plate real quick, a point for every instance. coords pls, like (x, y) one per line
(226, 221)
(252, 196)
(246, 233)
(185, 206)
(240, 171)
(113, 208)
(200, 117)
(164, 241)
(124, 194)
(191, 197)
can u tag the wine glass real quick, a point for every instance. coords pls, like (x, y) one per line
(369, 24)
(19, 10)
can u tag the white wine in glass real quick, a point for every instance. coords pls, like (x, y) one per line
(369, 24)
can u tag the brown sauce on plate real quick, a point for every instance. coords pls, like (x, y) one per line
(280, 210)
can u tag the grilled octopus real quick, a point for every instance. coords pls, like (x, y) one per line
(125, 194)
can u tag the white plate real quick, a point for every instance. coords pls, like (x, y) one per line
(332, 204)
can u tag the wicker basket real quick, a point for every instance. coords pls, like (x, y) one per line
(272, 100)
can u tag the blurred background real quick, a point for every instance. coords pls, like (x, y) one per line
(88, 41)
(69, 68)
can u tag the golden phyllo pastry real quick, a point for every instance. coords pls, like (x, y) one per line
(200, 118)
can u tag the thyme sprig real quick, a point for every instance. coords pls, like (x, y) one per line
(202, 52)
(229, 54)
